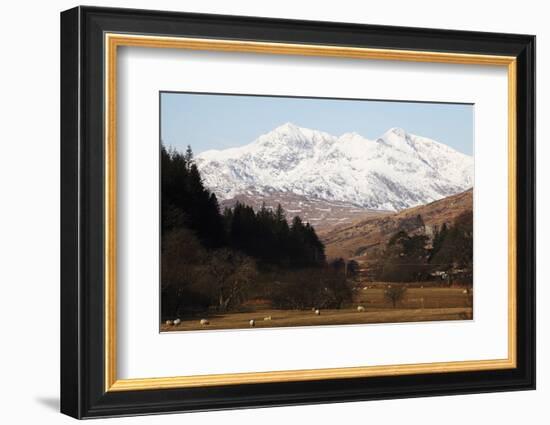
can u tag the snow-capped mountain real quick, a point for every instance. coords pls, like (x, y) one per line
(398, 170)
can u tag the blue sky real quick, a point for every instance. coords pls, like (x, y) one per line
(207, 121)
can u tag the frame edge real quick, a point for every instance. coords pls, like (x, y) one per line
(70, 349)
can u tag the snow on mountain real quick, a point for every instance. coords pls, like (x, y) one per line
(398, 170)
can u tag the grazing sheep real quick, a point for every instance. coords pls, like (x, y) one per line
(267, 318)
(168, 323)
(204, 322)
(317, 312)
(360, 309)
(177, 322)
(365, 288)
(252, 323)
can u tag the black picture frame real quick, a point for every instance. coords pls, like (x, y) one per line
(83, 392)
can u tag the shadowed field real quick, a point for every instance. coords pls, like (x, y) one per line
(418, 305)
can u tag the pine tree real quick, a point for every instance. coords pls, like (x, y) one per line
(188, 156)
(280, 214)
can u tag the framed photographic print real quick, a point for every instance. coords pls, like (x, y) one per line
(261, 212)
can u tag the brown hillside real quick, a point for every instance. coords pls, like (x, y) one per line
(359, 239)
(321, 214)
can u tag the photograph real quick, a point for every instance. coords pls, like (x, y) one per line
(288, 211)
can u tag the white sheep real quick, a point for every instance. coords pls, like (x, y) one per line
(317, 312)
(267, 318)
(168, 323)
(252, 323)
(204, 322)
(177, 322)
(360, 309)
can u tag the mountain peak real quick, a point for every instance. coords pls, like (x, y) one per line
(397, 138)
(287, 133)
(287, 127)
(398, 170)
(296, 138)
(398, 131)
(350, 136)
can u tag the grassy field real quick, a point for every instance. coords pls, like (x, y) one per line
(419, 304)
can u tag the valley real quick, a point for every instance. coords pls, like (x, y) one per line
(364, 237)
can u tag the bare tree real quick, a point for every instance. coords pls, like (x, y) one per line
(395, 293)
(183, 274)
(180, 250)
(231, 275)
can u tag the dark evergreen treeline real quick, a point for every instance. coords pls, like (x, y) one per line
(264, 235)
(411, 257)
(453, 247)
(219, 260)
(185, 202)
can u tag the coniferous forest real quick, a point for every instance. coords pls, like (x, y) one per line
(220, 261)
(410, 257)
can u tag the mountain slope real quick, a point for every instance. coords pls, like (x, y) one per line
(320, 213)
(363, 237)
(396, 171)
